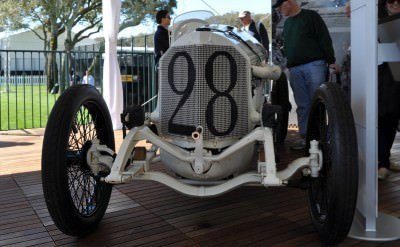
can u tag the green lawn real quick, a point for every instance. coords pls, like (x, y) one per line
(25, 107)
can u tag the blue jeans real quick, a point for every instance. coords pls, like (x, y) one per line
(305, 80)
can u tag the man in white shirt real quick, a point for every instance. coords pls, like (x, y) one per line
(88, 79)
(257, 30)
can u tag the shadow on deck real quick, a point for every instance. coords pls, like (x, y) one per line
(150, 214)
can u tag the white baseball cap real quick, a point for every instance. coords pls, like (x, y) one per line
(244, 14)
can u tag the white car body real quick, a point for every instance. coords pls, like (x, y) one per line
(209, 115)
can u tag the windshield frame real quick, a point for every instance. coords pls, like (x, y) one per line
(182, 21)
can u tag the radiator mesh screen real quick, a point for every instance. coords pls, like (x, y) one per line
(188, 99)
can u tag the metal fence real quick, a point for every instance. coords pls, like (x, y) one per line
(30, 83)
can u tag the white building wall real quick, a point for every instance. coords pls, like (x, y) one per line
(27, 40)
(28, 61)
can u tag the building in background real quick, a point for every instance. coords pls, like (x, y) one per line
(16, 62)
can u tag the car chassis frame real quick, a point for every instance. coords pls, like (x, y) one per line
(266, 174)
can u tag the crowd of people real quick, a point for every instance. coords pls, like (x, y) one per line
(309, 53)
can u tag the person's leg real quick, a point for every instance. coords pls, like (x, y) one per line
(392, 133)
(391, 136)
(383, 145)
(386, 136)
(315, 75)
(301, 97)
(395, 166)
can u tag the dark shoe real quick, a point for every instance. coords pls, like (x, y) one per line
(299, 145)
(383, 173)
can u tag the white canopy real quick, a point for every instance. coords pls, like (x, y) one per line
(112, 85)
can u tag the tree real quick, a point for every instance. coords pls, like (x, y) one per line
(9, 14)
(32, 15)
(55, 17)
(41, 17)
(134, 12)
(63, 17)
(74, 12)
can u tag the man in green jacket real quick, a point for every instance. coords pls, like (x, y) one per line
(309, 51)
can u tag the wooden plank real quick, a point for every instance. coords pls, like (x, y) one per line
(250, 216)
(107, 230)
(184, 243)
(25, 238)
(20, 228)
(22, 233)
(156, 239)
(168, 240)
(249, 233)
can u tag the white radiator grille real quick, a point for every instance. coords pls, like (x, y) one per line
(219, 105)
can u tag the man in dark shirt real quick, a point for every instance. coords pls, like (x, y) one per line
(257, 30)
(161, 37)
(308, 48)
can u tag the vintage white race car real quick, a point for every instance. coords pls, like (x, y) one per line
(213, 127)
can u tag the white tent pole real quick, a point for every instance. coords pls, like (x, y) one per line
(112, 85)
(369, 224)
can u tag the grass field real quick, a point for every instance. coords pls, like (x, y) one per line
(28, 107)
(25, 107)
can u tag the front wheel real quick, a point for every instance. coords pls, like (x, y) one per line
(333, 195)
(75, 197)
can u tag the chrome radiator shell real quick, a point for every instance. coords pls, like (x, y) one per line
(205, 80)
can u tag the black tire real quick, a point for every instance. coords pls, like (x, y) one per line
(75, 198)
(280, 96)
(333, 195)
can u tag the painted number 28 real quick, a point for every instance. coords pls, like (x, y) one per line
(209, 75)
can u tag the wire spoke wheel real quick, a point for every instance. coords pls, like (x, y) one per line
(333, 194)
(319, 190)
(76, 198)
(82, 187)
(82, 183)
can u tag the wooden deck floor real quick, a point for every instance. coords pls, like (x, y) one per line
(150, 214)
